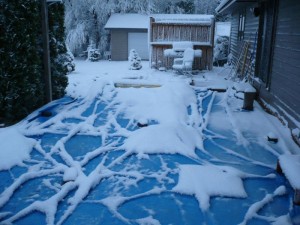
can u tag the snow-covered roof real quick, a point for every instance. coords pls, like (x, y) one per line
(226, 5)
(183, 18)
(139, 21)
(128, 20)
(222, 4)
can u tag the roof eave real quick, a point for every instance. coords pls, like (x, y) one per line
(230, 5)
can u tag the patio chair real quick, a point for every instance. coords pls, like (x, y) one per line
(184, 64)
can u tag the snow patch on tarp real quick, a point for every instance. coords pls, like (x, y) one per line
(165, 104)
(254, 208)
(290, 165)
(14, 148)
(169, 139)
(208, 180)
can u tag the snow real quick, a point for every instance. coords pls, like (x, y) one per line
(244, 87)
(290, 165)
(285, 219)
(206, 181)
(197, 152)
(253, 210)
(167, 139)
(14, 148)
(182, 45)
(128, 20)
(70, 174)
(148, 221)
(183, 18)
(222, 4)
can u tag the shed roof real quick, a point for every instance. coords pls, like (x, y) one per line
(127, 21)
(139, 21)
(183, 18)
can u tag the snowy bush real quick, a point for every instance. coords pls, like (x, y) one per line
(221, 50)
(68, 60)
(94, 55)
(134, 60)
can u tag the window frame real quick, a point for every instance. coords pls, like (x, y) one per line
(241, 26)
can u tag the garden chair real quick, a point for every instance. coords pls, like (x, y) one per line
(185, 64)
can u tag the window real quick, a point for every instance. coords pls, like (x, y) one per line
(241, 28)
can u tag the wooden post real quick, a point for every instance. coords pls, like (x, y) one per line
(46, 52)
(278, 167)
(297, 197)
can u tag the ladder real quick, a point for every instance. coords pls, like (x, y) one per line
(241, 64)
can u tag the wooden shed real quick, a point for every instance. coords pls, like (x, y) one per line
(165, 29)
(272, 29)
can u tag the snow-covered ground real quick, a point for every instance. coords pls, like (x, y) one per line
(165, 153)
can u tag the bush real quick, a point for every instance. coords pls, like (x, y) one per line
(94, 55)
(221, 50)
(134, 60)
(22, 87)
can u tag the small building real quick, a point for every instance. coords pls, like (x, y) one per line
(165, 29)
(272, 29)
(128, 31)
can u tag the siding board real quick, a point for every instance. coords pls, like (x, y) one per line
(284, 52)
(285, 83)
(119, 45)
(250, 33)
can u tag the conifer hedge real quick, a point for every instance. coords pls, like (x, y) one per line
(21, 56)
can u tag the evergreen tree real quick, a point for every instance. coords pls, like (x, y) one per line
(58, 50)
(135, 62)
(21, 65)
(21, 89)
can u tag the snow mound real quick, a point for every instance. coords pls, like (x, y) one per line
(166, 104)
(290, 165)
(285, 219)
(70, 174)
(14, 148)
(148, 221)
(206, 181)
(164, 138)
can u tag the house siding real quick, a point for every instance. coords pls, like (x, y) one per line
(285, 71)
(277, 53)
(250, 34)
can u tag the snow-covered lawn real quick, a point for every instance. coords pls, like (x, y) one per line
(165, 153)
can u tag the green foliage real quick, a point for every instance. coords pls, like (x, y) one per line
(58, 50)
(21, 64)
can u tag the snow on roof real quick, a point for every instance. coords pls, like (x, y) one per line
(222, 4)
(128, 20)
(183, 18)
(227, 4)
(139, 21)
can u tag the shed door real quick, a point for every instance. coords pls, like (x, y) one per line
(139, 42)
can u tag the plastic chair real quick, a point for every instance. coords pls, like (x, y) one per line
(184, 64)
